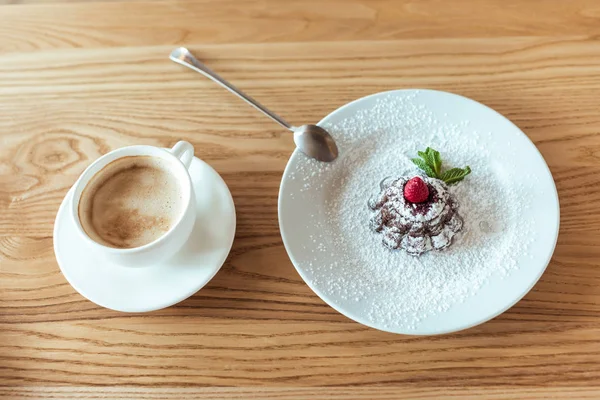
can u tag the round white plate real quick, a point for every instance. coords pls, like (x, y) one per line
(155, 287)
(434, 293)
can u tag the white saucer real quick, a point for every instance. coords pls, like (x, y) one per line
(152, 288)
(324, 218)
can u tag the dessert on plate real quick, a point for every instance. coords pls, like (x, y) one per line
(419, 213)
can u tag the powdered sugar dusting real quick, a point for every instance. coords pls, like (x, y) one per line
(395, 290)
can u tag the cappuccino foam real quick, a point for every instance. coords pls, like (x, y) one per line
(131, 202)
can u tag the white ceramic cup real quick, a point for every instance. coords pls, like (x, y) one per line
(180, 157)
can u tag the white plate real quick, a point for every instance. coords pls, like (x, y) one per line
(155, 287)
(432, 294)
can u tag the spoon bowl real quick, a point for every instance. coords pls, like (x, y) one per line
(315, 142)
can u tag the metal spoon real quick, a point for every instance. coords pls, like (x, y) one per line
(312, 140)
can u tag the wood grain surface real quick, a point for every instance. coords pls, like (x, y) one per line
(79, 78)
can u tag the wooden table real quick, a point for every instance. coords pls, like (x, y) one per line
(79, 78)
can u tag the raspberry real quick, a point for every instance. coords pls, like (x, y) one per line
(416, 191)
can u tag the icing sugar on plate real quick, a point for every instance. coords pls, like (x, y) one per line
(508, 203)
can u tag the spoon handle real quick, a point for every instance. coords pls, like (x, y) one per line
(183, 56)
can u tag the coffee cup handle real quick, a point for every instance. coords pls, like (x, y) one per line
(184, 151)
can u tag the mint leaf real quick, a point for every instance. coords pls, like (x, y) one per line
(424, 166)
(431, 163)
(455, 175)
(435, 160)
(424, 156)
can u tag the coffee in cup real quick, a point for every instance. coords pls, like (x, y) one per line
(131, 202)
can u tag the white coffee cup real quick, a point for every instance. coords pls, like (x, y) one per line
(180, 157)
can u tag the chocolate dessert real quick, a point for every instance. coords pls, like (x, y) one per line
(419, 214)
(415, 227)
